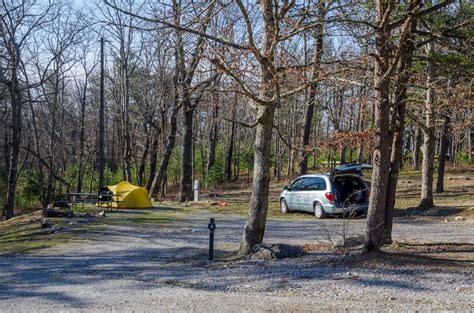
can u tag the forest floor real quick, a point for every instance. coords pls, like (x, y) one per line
(156, 259)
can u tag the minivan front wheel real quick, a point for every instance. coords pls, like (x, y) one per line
(319, 210)
(283, 206)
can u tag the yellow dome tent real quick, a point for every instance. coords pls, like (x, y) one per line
(129, 196)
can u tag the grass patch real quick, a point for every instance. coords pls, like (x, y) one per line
(22, 235)
(146, 216)
(239, 207)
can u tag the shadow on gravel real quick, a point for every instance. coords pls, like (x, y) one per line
(390, 284)
(436, 211)
(50, 276)
(176, 255)
(417, 257)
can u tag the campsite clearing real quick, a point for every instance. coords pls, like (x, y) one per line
(156, 259)
(162, 265)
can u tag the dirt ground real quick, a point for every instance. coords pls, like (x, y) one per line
(156, 260)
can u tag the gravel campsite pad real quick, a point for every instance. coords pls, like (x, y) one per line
(163, 266)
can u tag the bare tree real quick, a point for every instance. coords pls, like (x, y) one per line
(316, 69)
(19, 21)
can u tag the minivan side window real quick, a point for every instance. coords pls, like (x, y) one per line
(313, 184)
(294, 186)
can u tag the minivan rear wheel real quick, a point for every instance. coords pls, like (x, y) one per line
(319, 211)
(283, 206)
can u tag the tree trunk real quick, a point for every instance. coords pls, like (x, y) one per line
(416, 149)
(101, 122)
(153, 159)
(141, 171)
(442, 155)
(381, 162)
(82, 140)
(309, 110)
(237, 158)
(230, 150)
(36, 143)
(178, 78)
(186, 180)
(213, 135)
(381, 157)
(470, 139)
(255, 225)
(277, 166)
(254, 228)
(6, 142)
(343, 156)
(427, 169)
(15, 140)
(398, 128)
(52, 142)
(185, 77)
(127, 140)
(165, 159)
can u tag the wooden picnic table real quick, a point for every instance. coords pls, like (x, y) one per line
(99, 199)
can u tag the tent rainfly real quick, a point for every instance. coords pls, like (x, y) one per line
(129, 196)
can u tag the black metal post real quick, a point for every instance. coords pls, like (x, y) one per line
(212, 227)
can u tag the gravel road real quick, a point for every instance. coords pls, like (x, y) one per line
(163, 267)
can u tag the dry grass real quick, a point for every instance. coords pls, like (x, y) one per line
(23, 233)
(459, 193)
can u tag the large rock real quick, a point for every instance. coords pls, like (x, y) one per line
(58, 209)
(276, 252)
(351, 241)
(459, 178)
(45, 223)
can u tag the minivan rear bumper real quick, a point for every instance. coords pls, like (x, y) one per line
(333, 209)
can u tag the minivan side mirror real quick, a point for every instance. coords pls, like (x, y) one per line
(286, 188)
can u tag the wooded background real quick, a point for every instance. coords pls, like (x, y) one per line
(213, 90)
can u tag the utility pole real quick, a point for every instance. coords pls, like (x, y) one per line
(101, 117)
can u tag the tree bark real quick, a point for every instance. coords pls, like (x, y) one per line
(185, 79)
(254, 228)
(213, 134)
(278, 161)
(442, 155)
(15, 140)
(52, 140)
(230, 149)
(165, 159)
(342, 156)
(82, 139)
(470, 140)
(255, 225)
(141, 170)
(101, 122)
(153, 159)
(398, 127)
(186, 180)
(127, 140)
(427, 169)
(381, 156)
(416, 149)
(309, 110)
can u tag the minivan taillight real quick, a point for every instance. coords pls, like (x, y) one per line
(329, 196)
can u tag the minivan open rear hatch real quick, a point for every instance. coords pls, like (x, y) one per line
(355, 169)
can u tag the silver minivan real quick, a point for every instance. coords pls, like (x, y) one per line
(341, 191)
